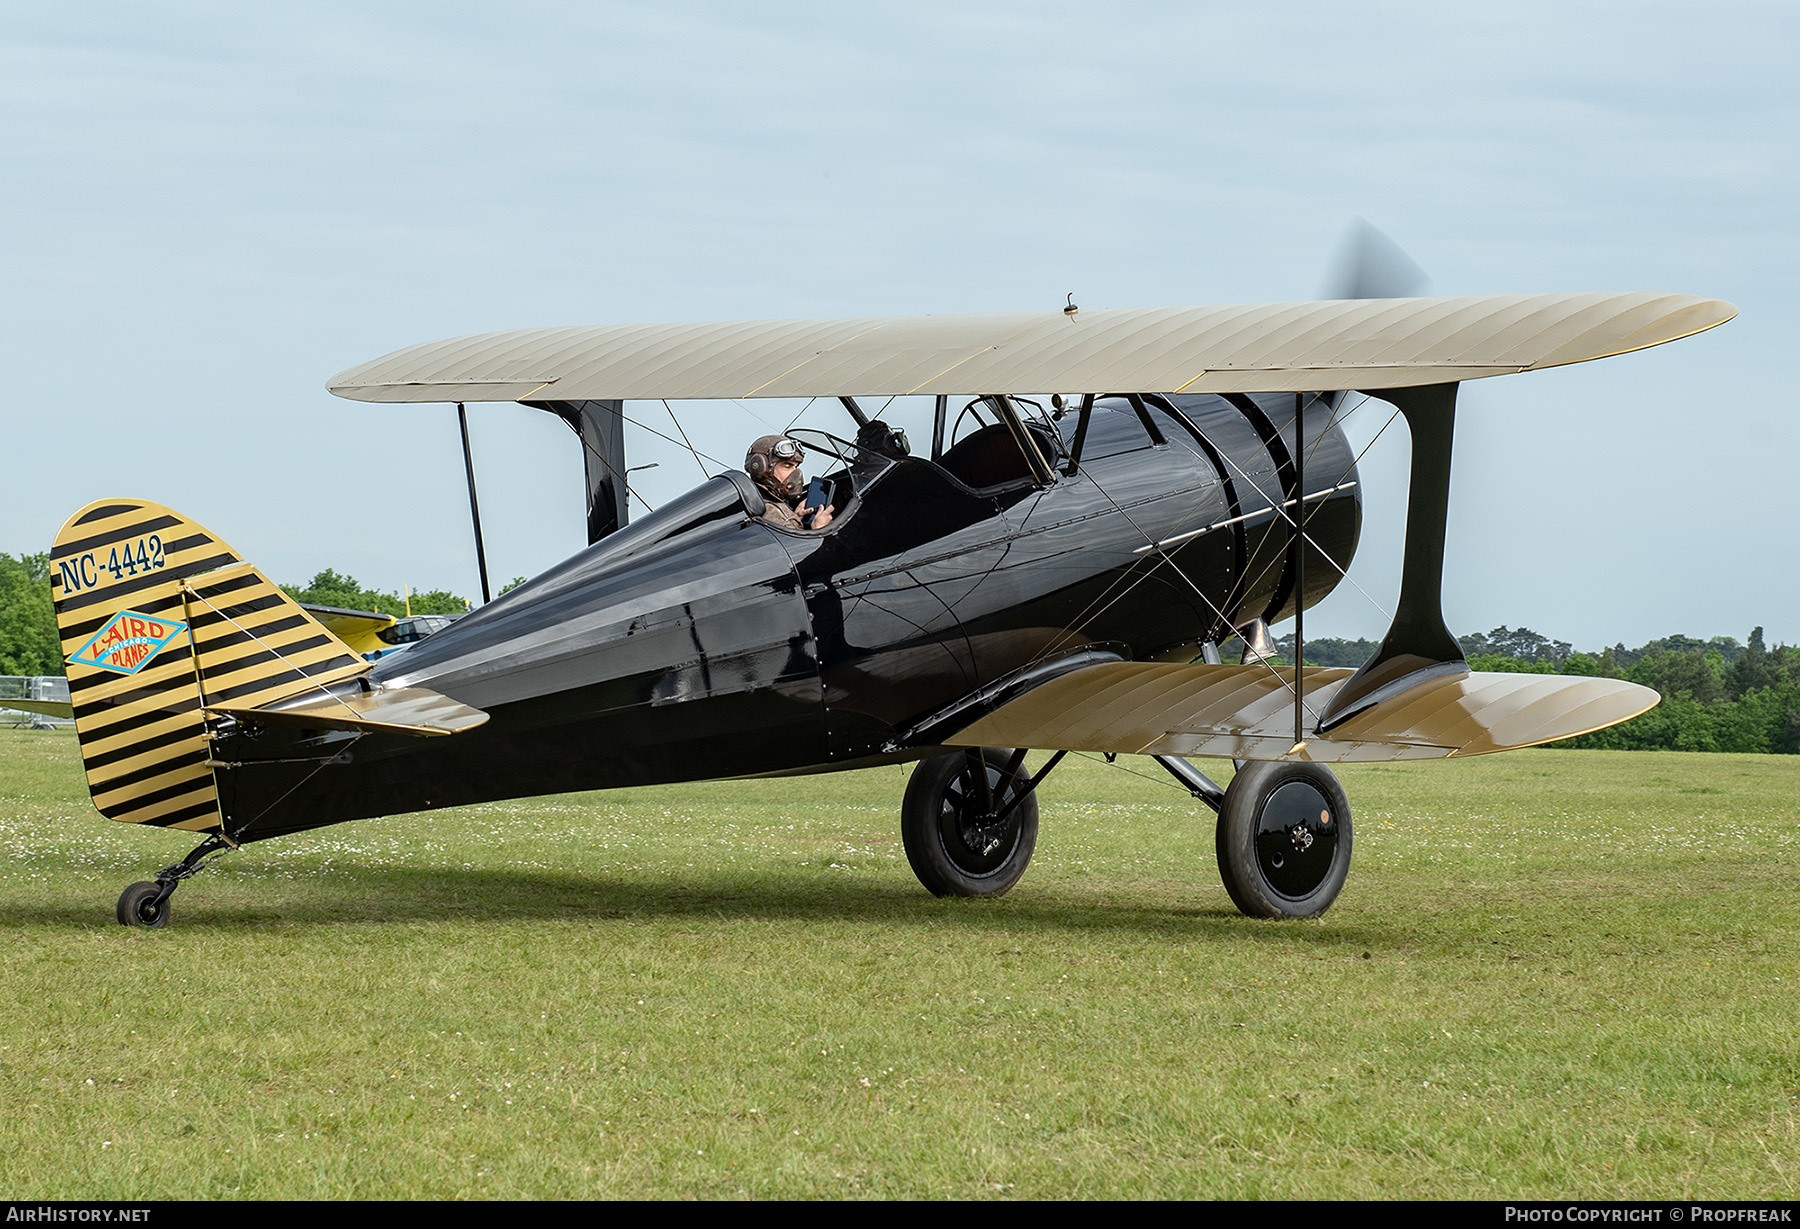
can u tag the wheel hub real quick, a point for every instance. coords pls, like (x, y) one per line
(1296, 839)
(985, 842)
(984, 836)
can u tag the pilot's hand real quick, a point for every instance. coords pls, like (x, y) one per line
(821, 517)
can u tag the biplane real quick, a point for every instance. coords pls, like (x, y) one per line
(372, 634)
(1107, 498)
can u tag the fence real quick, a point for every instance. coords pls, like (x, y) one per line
(50, 687)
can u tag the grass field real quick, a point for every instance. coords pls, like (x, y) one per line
(1552, 974)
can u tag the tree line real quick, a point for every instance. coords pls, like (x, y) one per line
(1717, 694)
(328, 588)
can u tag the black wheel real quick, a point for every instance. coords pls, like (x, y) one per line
(139, 905)
(1284, 839)
(955, 844)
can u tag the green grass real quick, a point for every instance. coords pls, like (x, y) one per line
(1553, 974)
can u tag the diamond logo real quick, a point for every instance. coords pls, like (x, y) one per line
(127, 642)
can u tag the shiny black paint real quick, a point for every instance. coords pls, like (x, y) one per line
(1296, 840)
(701, 642)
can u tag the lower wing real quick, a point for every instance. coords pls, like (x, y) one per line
(1246, 712)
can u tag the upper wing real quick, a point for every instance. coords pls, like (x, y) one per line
(1246, 712)
(1266, 347)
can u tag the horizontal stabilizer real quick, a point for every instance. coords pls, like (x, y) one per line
(43, 708)
(1246, 712)
(404, 710)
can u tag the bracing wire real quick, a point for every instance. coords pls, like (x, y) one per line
(742, 405)
(797, 417)
(277, 653)
(671, 439)
(684, 438)
(1279, 507)
(1114, 764)
(1162, 552)
(624, 478)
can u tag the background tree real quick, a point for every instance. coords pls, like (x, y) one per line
(28, 641)
(329, 588)
(1323, 651)
(1522, 644)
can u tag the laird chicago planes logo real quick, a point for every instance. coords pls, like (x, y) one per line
(127, 642)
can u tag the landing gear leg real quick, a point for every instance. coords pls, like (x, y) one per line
(146, 903)
(969, 822)
(1198, 783)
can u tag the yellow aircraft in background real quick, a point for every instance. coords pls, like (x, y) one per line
(371, 634)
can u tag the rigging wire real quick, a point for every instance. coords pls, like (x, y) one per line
(684, 439)
(275, 652)
(624, 478)
(671, 439)
(1164, 557)
(321, 766)
(1276, 505)
(1223, 617)
(740, 404)
(189, 591)
(1164, 780)
(797, 417)
(1124, 583)
(1279, 508)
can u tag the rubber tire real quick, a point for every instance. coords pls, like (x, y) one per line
(1254, 877)
(136, 906)
(941, 860)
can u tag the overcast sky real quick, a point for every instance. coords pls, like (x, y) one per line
(208, 209)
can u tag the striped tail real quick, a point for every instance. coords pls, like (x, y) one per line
(160, 620)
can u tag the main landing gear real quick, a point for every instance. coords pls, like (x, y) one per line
(970, 822)
(146, 903)
(1284, 839)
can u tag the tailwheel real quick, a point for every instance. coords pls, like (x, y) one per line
(144, 904)
(1284, 839)
(969, 822)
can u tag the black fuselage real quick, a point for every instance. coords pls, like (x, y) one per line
(701, 642)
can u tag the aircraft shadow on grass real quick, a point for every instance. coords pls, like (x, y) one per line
(483, 897)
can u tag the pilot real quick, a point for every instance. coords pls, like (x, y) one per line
(773, 463)
(877, 437)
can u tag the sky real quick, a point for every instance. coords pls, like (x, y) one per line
(206, 210)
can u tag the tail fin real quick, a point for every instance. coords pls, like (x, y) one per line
(159, 621)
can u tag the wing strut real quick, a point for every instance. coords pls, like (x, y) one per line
(1418, 646)
(1297, 544)
(462, 417)
(600, 425)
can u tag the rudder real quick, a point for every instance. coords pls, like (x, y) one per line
(159, 619)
